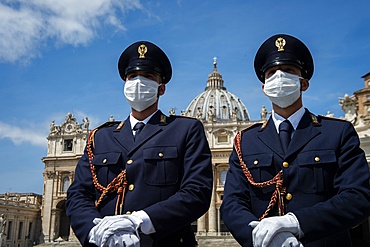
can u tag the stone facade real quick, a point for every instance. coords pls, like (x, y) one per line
(20, 219)
(65, 147)
(222, 114)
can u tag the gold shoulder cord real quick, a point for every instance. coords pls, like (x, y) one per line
(277, 180)
(118, 184)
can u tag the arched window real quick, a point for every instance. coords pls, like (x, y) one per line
(223, 177)
(65, 184)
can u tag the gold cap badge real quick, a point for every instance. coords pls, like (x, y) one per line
(280, 43)
(142, 50)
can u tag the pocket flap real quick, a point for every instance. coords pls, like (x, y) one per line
(258, 160)
(160, 153)
(316, 157)
(106, 159)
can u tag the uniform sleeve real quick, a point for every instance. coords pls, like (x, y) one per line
(194, 195)
(235, 208)
(351, 205)
(80, 204)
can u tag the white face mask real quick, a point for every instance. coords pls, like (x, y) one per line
(283, 89)
(141, 92)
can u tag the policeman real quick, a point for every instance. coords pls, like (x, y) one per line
(143, 181)
(297, 179)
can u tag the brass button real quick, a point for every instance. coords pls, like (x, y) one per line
(129, 162)
(160, 155)
(317, 159)
(131, 187)
(104, 161)
(289, 196)
(255, 162)
(128, 212)
(285, 164)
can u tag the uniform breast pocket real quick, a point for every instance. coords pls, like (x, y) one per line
(161, 165)
(107, 166)
(317, 170)
(260, 166)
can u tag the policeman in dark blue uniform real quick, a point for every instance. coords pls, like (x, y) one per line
(143, 181)
(298, 179)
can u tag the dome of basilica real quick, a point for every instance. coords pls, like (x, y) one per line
(216, 103)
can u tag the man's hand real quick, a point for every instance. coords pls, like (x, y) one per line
(123, 239)
(110, 225)
(265, 230)
(147, 226)
(285, 239)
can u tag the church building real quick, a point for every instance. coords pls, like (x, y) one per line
(222, 113)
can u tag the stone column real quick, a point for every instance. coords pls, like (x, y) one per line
(72, 237)
(53, 225)
(218, 220)
(212, 215)
(47, 206)
(201, 225)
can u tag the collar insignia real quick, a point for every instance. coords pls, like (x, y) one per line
(263, 125)
(280, 43)
(314, 119)
(163, 119)
(119, 127)
(142, 50)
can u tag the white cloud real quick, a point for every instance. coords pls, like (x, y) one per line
(19, 136)
(36, 133)
(28, 25)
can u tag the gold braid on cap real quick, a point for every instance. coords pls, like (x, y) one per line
(277, 195)
(118, 184)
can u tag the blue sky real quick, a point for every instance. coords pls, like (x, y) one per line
(61, 56)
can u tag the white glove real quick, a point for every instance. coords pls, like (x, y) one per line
(109, 225)
(266, 229)
(123, 239)
(285, 239)
(147, 225)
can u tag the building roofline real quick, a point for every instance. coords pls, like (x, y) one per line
(365, 75)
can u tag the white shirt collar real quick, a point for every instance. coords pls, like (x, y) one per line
(134, 121)
(294, 119)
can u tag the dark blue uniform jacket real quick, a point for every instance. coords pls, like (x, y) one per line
(327, 178)
(168, 167)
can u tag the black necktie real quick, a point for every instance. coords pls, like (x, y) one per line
(285, 133)
(138, 127)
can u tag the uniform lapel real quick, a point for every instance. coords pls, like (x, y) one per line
(269, 136)
(124, 136)
(152, 128)
(305, 132)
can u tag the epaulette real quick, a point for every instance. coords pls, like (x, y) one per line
(90, 142)
(262, 124)
(332, 118)
(181, 116)
(110, 124)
